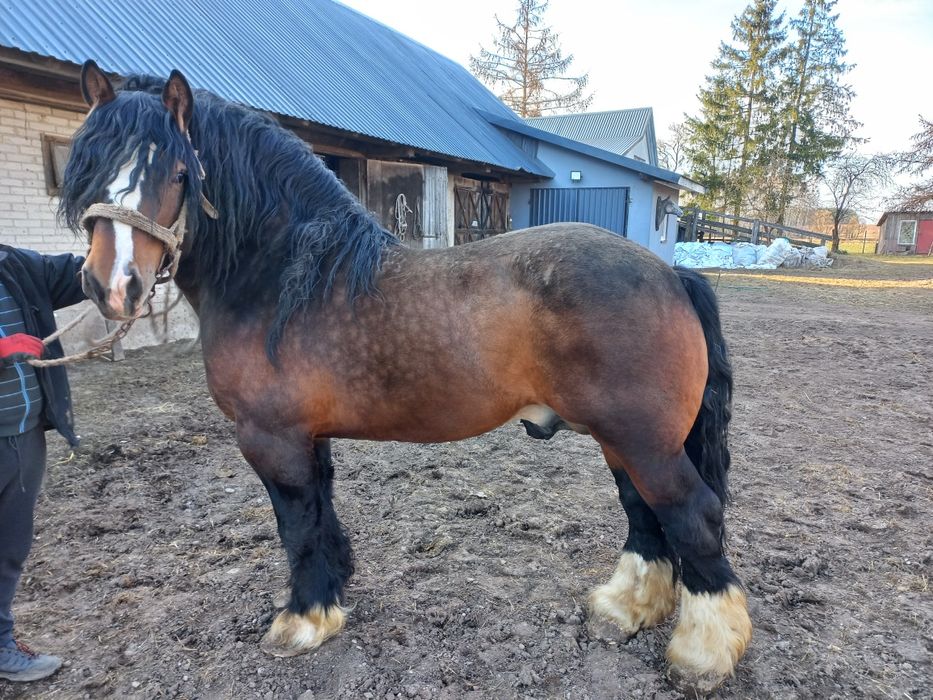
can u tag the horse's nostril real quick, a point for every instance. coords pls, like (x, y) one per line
(90, 285)
(134, 289)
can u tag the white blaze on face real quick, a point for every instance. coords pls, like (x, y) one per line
(119, 193)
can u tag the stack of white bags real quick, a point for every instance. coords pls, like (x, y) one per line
(728, 256)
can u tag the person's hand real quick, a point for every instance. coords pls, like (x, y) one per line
(20, 346)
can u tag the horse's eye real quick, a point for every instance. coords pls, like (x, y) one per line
(180, 176)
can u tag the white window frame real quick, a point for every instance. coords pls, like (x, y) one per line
(913, 240)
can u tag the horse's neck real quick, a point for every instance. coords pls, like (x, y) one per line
(186, 281)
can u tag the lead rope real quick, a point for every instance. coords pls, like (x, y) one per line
(100, 347)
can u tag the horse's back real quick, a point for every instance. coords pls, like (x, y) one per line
(573, 264)
(578, 262)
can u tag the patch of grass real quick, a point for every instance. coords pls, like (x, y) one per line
(841, 281)
(858, 247)
(904, 259)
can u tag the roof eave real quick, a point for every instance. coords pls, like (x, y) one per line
(666, 177)
(652, 138)
(691, 185)
(903, 211)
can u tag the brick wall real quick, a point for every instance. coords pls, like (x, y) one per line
(27, 212)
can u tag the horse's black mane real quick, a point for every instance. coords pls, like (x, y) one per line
(288, 227)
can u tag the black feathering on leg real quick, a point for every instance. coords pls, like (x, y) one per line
(645, 536)
(694, 529)
(317, 547)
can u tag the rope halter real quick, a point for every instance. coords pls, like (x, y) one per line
(171, 237)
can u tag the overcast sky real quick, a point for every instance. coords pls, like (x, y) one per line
(655, 53)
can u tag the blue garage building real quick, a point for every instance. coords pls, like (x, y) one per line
(621, 189)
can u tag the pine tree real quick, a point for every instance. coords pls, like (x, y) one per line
(526, 66)
(733, 139)
(712, 143)
(815, 123)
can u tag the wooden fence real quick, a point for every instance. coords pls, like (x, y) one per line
(701, 225)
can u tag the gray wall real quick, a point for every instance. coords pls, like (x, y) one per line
(597, 173)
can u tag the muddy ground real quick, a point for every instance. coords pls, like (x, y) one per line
(156, 558)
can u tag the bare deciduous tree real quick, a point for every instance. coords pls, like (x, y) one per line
(526, 66)
(672, 153)
(853, 181)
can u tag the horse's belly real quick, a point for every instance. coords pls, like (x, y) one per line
(452, 423)
(542, 422)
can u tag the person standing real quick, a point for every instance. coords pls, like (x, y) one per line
(32, 400)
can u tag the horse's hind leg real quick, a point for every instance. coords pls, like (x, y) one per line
(713, 628)
(642, 591)
(298, 477)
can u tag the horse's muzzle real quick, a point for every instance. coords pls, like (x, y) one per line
(121, 301)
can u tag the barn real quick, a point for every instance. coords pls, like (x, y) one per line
(605, 173)
(909, 232)
(426, 147)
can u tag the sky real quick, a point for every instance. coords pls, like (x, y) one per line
(656, 53)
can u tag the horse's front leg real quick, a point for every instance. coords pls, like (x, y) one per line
(298, 473)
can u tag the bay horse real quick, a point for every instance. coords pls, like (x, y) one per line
(309, 310)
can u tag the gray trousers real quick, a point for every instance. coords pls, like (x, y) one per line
(22, 465)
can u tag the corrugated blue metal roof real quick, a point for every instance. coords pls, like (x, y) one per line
(615, 131)
(313, 59)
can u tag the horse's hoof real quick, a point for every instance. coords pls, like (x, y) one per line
(692, 685)
(280, 599)
(711, 636)
(640, 594)
(293, 633)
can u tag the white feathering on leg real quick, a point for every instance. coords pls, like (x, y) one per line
(640, 593)
(712, 634)
(293, 633)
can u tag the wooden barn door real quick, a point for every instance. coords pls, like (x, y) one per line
(410, 200)
(481, 209)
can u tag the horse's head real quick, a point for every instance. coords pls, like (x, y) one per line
(665, 206)
(131, 178)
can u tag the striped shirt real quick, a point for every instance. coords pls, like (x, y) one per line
(20, 395)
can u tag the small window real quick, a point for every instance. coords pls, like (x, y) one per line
(907, 233)
(55, 152)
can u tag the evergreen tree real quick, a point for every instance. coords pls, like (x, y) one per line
(815, 122)
(712, 141)
(526, 66)
(734, 138)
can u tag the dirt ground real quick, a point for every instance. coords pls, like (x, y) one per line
(156, 558)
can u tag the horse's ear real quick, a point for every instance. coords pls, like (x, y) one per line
(178, 99)
(95, 86)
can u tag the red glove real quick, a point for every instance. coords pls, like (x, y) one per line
(20, 345)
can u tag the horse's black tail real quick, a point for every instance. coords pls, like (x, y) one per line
(707, 444)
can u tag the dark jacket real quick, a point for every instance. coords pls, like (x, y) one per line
(40, 284)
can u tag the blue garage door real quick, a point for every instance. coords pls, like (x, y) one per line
(602, 206)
